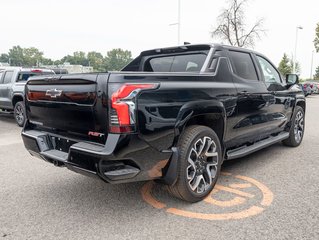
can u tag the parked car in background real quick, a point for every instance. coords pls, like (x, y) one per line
(306, 88)
(314, 87)
(12, 82)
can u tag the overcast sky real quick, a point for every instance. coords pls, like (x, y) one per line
(61, 27)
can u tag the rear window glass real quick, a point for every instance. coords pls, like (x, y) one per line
(24, 76)
(178, 63)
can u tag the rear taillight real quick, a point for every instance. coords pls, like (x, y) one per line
(122, 111)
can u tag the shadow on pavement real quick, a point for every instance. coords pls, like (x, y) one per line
(95, 197)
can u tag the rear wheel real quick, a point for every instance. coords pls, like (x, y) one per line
(199, 164)
(297, 128)
(19, 113)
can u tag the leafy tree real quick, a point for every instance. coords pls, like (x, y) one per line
(116, 59)
(316, 76)
(284, 66)
(4, 58)
(96, 60)
(32, 56)
(78, 58)
(232, 27)
(27, 57)
(316, 40)
(297, 66)
(16, 56)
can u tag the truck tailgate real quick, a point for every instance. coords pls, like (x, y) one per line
(65, 103)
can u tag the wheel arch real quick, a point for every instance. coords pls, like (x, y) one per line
(207, 113)
(301, 103)
(17, 98)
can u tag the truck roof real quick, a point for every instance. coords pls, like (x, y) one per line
(194, 47)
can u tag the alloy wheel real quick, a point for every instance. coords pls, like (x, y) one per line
(299, 126)
(202, 165)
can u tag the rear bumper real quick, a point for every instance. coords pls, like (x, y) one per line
(108, 162)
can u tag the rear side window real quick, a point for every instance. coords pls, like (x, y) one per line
(24, 76)
(7, 77)
(179, 63)
(243, 65)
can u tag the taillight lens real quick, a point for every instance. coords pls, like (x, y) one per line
(123, 101)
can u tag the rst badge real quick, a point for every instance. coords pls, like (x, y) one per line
(53, 93)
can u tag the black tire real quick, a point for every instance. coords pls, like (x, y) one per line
(19, 113)
(202, 168)
(297, 128)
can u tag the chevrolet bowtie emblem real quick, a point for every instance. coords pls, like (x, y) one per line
(53, 93)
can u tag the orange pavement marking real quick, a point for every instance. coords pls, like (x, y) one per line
(235, 201)
(254, 210)
(235, 191)
(147, 196)
(240, 185)
(268, 196)
(251, 211)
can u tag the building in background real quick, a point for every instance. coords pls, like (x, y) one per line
(69, 68)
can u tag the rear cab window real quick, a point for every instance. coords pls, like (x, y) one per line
(25, 75)
(243, 65)
(176, 63)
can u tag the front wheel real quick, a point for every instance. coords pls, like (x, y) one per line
(199, 164)
(297, 128)
(19, 113)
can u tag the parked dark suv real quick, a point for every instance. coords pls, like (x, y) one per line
(173, 114)
(12, 82)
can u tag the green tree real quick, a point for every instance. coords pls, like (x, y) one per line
(96, 60)
(16, 56)
(27, 57)
(284, 66)
(117, 58)
(232, 28)
(316, 40)
(4, 58)
(297, 66)
(316, 76)
(78, 58)
(32, 56)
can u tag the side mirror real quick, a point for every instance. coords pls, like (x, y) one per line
(292, 79)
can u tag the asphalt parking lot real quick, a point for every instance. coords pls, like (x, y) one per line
(272, 194)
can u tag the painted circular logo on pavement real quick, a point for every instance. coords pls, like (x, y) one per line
(236, 197)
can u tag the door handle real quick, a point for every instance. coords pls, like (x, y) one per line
(243, 92)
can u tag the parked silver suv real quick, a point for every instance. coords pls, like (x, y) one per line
(12, 81)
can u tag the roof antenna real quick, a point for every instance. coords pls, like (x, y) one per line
(186, 43)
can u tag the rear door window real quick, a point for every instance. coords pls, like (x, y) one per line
(243, 65)
(7, 77)
(178, 63)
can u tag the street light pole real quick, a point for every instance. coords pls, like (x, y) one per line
(295, 55)
(178, 23)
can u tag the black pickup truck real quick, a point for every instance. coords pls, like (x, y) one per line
(172, 114)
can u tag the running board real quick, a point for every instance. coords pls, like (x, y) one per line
(246, 150)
